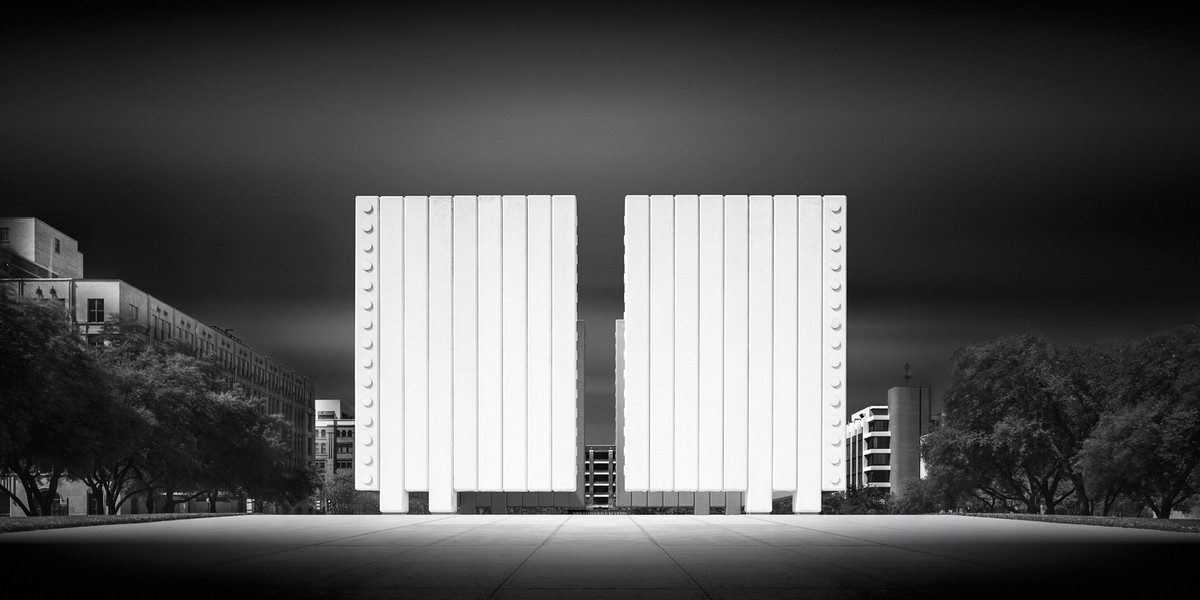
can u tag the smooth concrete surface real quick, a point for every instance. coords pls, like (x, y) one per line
(610, 556)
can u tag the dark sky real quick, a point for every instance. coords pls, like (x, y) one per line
(1005, 172)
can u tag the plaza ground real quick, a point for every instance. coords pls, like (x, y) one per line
(610, 556)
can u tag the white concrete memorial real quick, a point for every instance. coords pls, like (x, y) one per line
(466, 329)
(734, 348)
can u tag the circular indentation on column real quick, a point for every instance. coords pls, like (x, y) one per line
(368, 343)
(367, 324)
(835, 400)
(367, 421)
(368, 285)
(835, 226)
(835, 284)
(835, 343)
(834, 479)
(368, 227)
(367, 265)
(367, 480)
(367, 362)
(367, 459)
(367, 304)
(367, 439)
(835, 324)
(835, 460)
(835, 382)
(835, 440)
(835, 421)
(835, 303)
(367, 381)
(835, 265)
(835, 362)
(835, 205)
(368, 208)
(368, 401)
(368, 246)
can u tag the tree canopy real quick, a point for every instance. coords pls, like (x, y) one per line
(128, 418)
(1032, 426)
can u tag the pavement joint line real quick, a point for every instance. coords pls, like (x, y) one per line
(531, 553)
(877, 543)
(381, 559)
(677, 565)
(313, 545)
(836, 565)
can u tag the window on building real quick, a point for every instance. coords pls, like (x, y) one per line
(3, 235)
(95, 310)
(57, 246)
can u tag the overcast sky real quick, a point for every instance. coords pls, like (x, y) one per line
(1005, 172)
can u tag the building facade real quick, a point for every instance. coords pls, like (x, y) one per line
(883, 442)
(334, 447)
(95, 305)
(733, 350)
(35, 249)
(467, 373)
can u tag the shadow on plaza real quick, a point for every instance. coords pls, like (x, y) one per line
(183, 568)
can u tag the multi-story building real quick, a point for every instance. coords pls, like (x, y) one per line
(49, 267)
(334, 446)
(733, 349)
(600, 476)
(868, 449)
(883, 442)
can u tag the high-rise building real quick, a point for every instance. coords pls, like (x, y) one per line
(734, 346)
(467, 369)
(48, 267)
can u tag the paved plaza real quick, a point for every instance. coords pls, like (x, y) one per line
(611, 557)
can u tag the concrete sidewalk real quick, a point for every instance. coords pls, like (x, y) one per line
(611, 557)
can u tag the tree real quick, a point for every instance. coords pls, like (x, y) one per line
(855, 501)
(337, 492)
(1147, 443)
(1017, 413)
(57, 411)
(194, 433)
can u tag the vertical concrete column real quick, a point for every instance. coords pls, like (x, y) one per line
(710, 344)
(539, 318)
(687, 341)
(567, 339)
(515, 343)
(737, 339)
(442, 498)
(662, 342)
(367, 326)
(393, 497)
(834, 323)
(761, 329)
(491, 344)
(810, 416)
(416, 343)
(466, 347)
(784, 391)
(637, 342)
